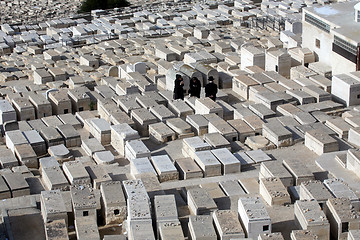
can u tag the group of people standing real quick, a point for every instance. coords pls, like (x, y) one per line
(195, 88)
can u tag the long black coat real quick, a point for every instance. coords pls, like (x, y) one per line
(195, 88)
(211, 90)
(179, 89)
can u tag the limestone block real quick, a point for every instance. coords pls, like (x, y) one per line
(254, 122)
(143, 118)
(7, 158)
(244, 159)
(315, 189)
(229, 163)
(51, 136)
(271, 236)
(312, 218)
(114, 204)
(303, 235)
(26, 155)
(120, 133)
(70, 135)
(354, 136)
(320, 142)
(100, 129)
(91, 145)
(56, 230)
(216, 140)
(227, 224)
(277, 134)
(36, 142)
(104, 157)
(340, 189)
(261, 110)
(353, 161)
(180, 127)
(273, 191)
(299, 171)
(17, 184)
(242, 128)
(76, 173)
(259, 142)
(136, 149)
(254, 216)
(86, 228)
(208, 163)
(222, 127)
(84, 202)
(276, 169)
(200, 202)
(47, 162)
(165, 208)
(171, 230)
(60, 153)
(339, 126)
(258, 156)
(206, 106)
(4, 190)
(7, 112)
(13, 138)
(53, 178)
(53, 206)
(141, 230)
(140, 166)
(192, 145)
(180, 108)
(165, 54)
(165, 168)
(161, 112)
(199, 124)
(98, 175)
(161, 133)
(241, 85)
(201, 228)
(188, 168)
(232, 188)
(353, 234)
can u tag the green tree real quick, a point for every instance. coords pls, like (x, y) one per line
(89, 5)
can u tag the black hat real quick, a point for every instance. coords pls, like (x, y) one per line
(211, 79)
(178, 76)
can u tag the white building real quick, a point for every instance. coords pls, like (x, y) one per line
(332, 32)
(345, 88)
(254, 216)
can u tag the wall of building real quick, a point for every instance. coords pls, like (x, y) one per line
(309, 36)
(340, 64)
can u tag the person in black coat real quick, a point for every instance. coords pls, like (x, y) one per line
(211, 89)
(195, 87)
(179, 87)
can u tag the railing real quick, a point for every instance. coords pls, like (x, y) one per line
(317, 22)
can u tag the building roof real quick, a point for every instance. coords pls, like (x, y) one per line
(340, 17)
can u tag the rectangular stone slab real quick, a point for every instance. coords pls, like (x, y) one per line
(229, 163)
(228, 225)
(232, 188)
(200, 202)
(201, 228)
(188, 168)
(165, 168)
(140, 166)
(208, 163)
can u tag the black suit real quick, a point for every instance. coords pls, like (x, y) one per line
(195, 88)
(211, 90)
(179, 89)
